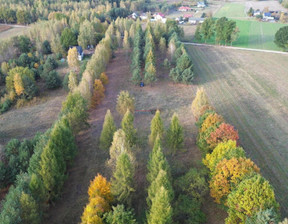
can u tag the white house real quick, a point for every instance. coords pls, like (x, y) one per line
(201, 5)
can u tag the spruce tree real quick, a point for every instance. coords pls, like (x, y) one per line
(29, 209)
(128, 127)
(119, 215)
(107, 131)
(161, 210)
(150, 73)
(175, 136)
(157, 128)
(157, 162)
(136, 76)
(122, 181)
(162, 179)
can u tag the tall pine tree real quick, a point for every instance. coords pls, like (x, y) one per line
(128, 127)
(175, 136)
(108, 130)
(157, 128)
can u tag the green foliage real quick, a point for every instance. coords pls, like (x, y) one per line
(23, 44)
(183, 71)
(249, 197)
(128, 127)
(281, 37)
(68, 38)
(162, 179)
(108, 131)
(157, 162)
(150, 73)
(193, 183)
(175, 136)
(156, 127)
(50, 64)
(75, 109)
(46, 47)
(52, 80)
(188, 211)
(119, 215)
(124, 102)
(161, 210)
(207, 29)
(122, 183)
(136, 76)
(29, 210)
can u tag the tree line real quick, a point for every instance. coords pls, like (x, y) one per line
(223, 30)
(168, 200)
(35, 189)
(236, 182)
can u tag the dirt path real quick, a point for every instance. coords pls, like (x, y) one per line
(237, 48)
(249, 90)
(90, 160)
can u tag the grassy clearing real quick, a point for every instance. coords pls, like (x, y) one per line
(231, 10)
(248, 89)
(163, 95)
(12, 32)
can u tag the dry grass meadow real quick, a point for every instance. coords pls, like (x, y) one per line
(6, 33)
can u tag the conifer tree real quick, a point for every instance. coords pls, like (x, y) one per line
(128, 127)
(125, 101)
(126, 43)
(29, 209)
(108, 130)
(157, 162)
(119, 215)
(162, 179)
(150, 73)
(156, 127)
(72, 82)
(200, 101)
(122, 181)
(136, 76)
(98, 93)
(161, 210)
(175, 136)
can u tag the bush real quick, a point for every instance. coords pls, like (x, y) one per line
(52, 80)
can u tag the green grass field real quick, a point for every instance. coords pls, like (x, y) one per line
(255, 34)
(231, 10)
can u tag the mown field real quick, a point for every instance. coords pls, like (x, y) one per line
(249, 90)
(231, 10)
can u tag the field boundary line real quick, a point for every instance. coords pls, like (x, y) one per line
(236, 48)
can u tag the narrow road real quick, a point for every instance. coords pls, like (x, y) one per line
(236, 48)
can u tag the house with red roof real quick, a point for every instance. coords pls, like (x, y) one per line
(184, 9)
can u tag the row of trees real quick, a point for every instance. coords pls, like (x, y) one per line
(35, 190)
(224, 30)
(183, 70)
(235, 180)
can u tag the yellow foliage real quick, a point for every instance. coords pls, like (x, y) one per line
(210, 121)
(36, 65)
(98, 93)
(100, 187)
(200, 101)
(30, 55)
(228, 174)
(72, 58)
(18, 84)
(223, 150)
(104, 78)
(94, 210)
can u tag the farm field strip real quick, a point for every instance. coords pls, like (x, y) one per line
(259, 115)
(231, 10)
